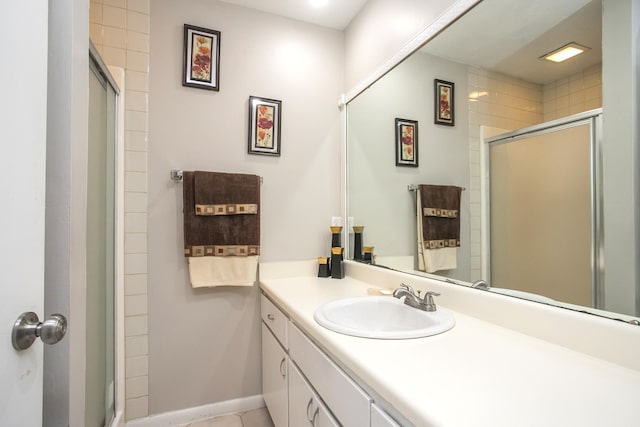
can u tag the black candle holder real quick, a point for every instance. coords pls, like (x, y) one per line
(337, 270)
(335, 236)
(357, 242)
(368, 254)
(323, 267)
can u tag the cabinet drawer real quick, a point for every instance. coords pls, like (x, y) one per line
(274, 378)
(274, 319)
(380, 418)
(348, 402)
(305, 408)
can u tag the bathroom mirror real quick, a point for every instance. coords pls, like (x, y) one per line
(492, 54)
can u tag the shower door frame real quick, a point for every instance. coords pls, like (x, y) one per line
(593, 118)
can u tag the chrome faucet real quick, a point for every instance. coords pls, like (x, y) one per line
(481, 284)
(413, 300)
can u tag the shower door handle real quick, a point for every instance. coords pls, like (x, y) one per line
(28, 327)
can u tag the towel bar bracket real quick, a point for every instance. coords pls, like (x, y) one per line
(414, 187)
(176, 175)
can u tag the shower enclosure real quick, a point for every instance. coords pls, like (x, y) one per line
(544, 210)
(101, 243)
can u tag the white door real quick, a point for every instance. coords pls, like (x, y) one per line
(23, 73)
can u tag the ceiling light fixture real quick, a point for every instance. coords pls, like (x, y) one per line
(565, 52)
(318, 3)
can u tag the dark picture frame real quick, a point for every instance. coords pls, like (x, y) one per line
(264, 126)
(406, 142)
(201, 66)
(444, 102)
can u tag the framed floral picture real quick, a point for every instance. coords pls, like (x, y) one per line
(201, 58)
(444, 108)
(264, 126)
(406, 142)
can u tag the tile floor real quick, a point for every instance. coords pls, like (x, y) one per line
(255, 418)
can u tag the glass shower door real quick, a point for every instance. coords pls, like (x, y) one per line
(541, 213)
(100, 252)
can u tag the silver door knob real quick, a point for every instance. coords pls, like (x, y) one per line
(28, 327)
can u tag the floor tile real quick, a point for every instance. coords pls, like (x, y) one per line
(223, 421)
(257, 418)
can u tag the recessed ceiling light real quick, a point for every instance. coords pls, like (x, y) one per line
(318, 3)
(565, 52)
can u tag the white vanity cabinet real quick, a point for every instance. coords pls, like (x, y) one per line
(275, 363)
(380, 418)
(305, 407)
(347, 401)
(302, 386)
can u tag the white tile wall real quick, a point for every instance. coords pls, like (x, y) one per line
(137, 366)
(120, 31)
(499, 101)
(137, 387)
(577, 93)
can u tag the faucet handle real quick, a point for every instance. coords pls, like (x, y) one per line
(428, 302)
(407, 287)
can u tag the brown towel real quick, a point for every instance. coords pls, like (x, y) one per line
(229, 221)
(440, 215)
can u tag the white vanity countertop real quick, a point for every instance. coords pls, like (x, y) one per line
(476, 374)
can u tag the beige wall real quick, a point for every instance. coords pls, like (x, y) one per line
(204, 344)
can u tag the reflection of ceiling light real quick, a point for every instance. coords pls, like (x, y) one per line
(475, 95)
(318, 3)
(565, 52)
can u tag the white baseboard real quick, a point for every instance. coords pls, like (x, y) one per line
(185, 416)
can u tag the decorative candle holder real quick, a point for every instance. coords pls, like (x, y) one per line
(323, 267)
(368, 254)
(357, 242)
(337, 270)
(335, 236)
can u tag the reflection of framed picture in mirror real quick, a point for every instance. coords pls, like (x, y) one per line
(264, 126)
(201, 66)
(444, 108)
(406, 142)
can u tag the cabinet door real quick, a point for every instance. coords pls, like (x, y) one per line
(305, 408)
(274, 378)
(379, 418)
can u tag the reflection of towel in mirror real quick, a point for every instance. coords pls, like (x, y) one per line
(438, 225)
(221, 228)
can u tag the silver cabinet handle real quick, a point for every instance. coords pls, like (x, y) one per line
(313, 417)
(28, 327)
(309, 407)
(284, 374)
(271, 316)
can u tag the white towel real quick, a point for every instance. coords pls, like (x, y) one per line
(210, 271)
(432, 260)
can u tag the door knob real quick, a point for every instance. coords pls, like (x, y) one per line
(28, 327)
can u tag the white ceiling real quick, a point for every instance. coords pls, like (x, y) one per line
(336, 14)
(506, 36)
(509, 36)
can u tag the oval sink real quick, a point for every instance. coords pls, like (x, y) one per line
(382, 317)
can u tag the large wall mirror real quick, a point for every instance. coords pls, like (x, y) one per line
(543, 150)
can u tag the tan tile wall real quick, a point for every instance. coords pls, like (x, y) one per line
(119, 29)
(499, 101)
(577, 93)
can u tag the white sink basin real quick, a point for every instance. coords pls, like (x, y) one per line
(382, 317)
